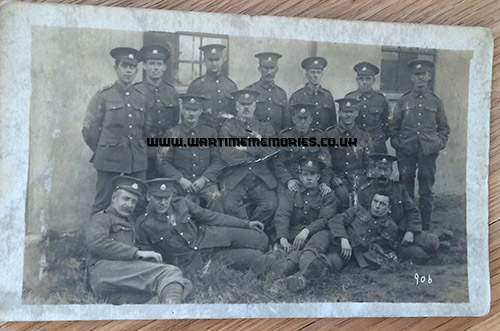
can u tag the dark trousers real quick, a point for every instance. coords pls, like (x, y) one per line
(104, 189)
(256, 191)
(152, 170)
(426, 165)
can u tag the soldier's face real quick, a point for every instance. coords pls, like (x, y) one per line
(125, 72)
(160, 205)
(244, 110)
(302, 123)
(309, 179)
(155, 68)
(365, 83)
(382, 174)
(213, 65)
(379, 205)
(268, 72)
(314, 76)
(348, 116)
(191, 116)
(421, 79)
(124, 202)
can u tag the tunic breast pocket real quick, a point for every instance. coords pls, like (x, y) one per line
(114, 115)
(138, 113)
(121, 233)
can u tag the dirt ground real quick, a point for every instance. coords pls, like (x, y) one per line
(64, 281)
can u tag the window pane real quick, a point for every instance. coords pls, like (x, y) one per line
(208, 41)
(188, 48)
(188, 72)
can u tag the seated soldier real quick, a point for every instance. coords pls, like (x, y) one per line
(349, 156)
(404, 211)
(186, 234)
(370, 235)
(285, 164)
(120, 272)
(195, 168)
(246, 176)
(300, 215)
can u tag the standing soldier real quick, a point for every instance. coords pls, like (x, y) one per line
(195, 168)
(272, 100)
(214, 86)
(285, 164)
(162, 98)
(349, 156)
(115, 127)
(373, 106)
(247, 175)
(325, 114)
(419, 130)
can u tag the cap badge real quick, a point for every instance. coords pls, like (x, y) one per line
(247, 95)
(348, 104)
(363, 69)
(135, 186)
(131, 55)
(163, 187)
(302, 110)
(309, 163)
(213, 51)
(315, 62)
(192, 100)
(384, 160)
(155, 51)
(419, 66)
(269, 59)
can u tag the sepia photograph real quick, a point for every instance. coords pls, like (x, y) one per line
(186, 166)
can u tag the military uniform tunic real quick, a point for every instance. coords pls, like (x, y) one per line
(192, 162)
(187, 231)
(115, 128)
(246, 172)
(218, 91)
(419, 130)
(272, 105)
(325, 114)
(373, 116)
(306, 208)
(286, 163)
(114, 272)
(353, 158)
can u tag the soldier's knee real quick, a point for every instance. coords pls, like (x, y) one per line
(429, 242)
(414, 253)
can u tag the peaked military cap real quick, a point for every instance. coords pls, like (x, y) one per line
(245, 96)
(212, 51)
(311, 164)
(155, 52)
(162, 187)
(383, 160)
(129, 184)
(127, 55)
(315, 62)
(366, 69)
(347, 103)
(302, 109)
(192, 101)
(268, 57)
(418, 66)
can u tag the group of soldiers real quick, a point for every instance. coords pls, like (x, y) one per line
(296, 213)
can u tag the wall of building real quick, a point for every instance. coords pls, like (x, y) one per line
(70, 65)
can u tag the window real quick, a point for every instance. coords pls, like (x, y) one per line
(395, 74)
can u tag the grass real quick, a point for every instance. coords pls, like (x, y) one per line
(65, 281)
